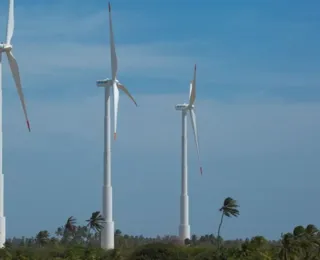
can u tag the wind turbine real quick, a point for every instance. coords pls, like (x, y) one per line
(107, 233)
(7, 48)
(184, 228)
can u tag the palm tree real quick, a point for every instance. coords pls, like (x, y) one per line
(311, 230)
(229, 209)
(70, 224)
(118, 232)
(310, 243)
(298, 232)
(289, 249)
(95, 222)
(42, 238)
(69, 229)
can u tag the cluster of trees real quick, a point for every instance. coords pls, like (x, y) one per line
(76, 242)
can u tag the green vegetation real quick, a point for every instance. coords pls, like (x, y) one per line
(76, 242)
(229, 208)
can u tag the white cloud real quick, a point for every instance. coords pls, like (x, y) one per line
(47, 42)
(136, 60)
(62, 42)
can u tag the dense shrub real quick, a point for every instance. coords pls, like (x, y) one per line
(158, 251)
(81, 244)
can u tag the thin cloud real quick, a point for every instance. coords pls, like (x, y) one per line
(238, 128)
(54, 42)
(48, 42)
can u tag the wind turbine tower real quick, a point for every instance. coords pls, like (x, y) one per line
(184, 227)
(107, 233)
(7, 49)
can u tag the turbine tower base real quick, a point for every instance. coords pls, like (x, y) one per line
(107, 233)
(107, 236)
(184, 232)
(2, 231)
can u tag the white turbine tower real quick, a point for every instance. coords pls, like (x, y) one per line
(7, 48)
(184, 228)
(107, 233)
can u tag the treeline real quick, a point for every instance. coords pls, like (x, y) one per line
(76, 242)
(302, 243)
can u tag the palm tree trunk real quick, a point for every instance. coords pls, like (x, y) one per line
(219, 231)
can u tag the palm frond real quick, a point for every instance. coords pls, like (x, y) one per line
(298, 231)
(229, 207)
(70, 224)
(95, 221)
(311, 229)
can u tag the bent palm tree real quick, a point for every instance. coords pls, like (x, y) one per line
(69, 229)
(229, 209)
(70, 224)
(95, 222)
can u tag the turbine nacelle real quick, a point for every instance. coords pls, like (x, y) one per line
(5, 47)
(181, 107)
(106, 83)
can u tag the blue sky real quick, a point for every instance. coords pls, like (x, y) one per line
(258, 112)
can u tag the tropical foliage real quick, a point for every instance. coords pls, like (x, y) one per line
(76, 242)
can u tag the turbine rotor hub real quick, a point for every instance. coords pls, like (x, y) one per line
(182, 107)
(105, 82)
(5, 47)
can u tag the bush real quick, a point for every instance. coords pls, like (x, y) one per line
(205, 254)
(158, 251)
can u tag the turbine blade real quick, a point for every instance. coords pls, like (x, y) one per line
(16, 76)
(192, 96)
(115, 110)
(195, 132)
(124, 89)
(114, 62)
(190, 92)
(10, 25)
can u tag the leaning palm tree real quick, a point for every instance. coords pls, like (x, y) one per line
(70, 224)
(95, 221)
(229, 209)
(69, 230)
